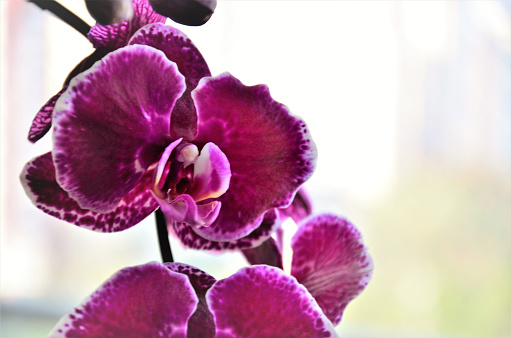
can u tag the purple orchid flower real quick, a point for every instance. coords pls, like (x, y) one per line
(104, 39)
(331, 266)
(131, 134)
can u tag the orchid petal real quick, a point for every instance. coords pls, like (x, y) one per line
(270, 152)
(180, 49)
(42, 121)
(143, 301)
(117, 35)
(190, 239)
(331, 261)
(299, 209)
(184, 209)
(263, 301)
(38, 180)
(112, 123)
(211, 174)
(267, 253)
(201, 323)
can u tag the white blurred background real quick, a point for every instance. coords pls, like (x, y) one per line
(409, 103)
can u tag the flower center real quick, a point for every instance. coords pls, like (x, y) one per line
(183, 170)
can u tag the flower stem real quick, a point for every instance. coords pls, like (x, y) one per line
(163, 237)
(63, 14)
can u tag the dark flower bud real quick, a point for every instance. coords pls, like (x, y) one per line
(185, 12)
(107, 12)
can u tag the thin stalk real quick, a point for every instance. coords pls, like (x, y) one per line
(63, 14)
(163, 237)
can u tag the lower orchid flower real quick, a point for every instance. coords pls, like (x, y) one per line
(330, 267)
(122, 148)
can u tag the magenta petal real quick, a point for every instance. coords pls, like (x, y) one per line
(180, 49)
(331, 261)
(270, 152)
(42, 121)
(143, 301)
(190, 239)
(184, 209)
(38, 180)
(202, 323)
(112, 123)
(118, 34)
(263, 301)
(299, 209)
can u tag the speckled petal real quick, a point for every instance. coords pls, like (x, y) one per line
(118, 34)
(180, 49)
(143, 301)
(331, 261)
(263, 301)
(112, 123)
(38, 180)
(184, 209)
(190, 239)
(270, 151)
(299, 209)
(42, 121)
(201, 324)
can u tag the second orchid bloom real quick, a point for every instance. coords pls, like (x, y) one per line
(330, 267)
(130, 135)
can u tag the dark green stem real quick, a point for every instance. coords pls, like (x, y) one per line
(163, 237)
(63, 14)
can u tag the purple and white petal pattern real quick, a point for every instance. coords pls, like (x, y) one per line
(112, 123)
(38, 180)
(143, 301)
(117, 35)
(270, 152)
(263, 301)
(180, 49)
(201, 323)
(299, 209)
(190, 239)
(331, 261)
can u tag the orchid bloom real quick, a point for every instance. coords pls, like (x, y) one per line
(131, 134)
(330, 268)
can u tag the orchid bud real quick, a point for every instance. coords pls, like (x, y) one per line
(107, 12)
(185, 12)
